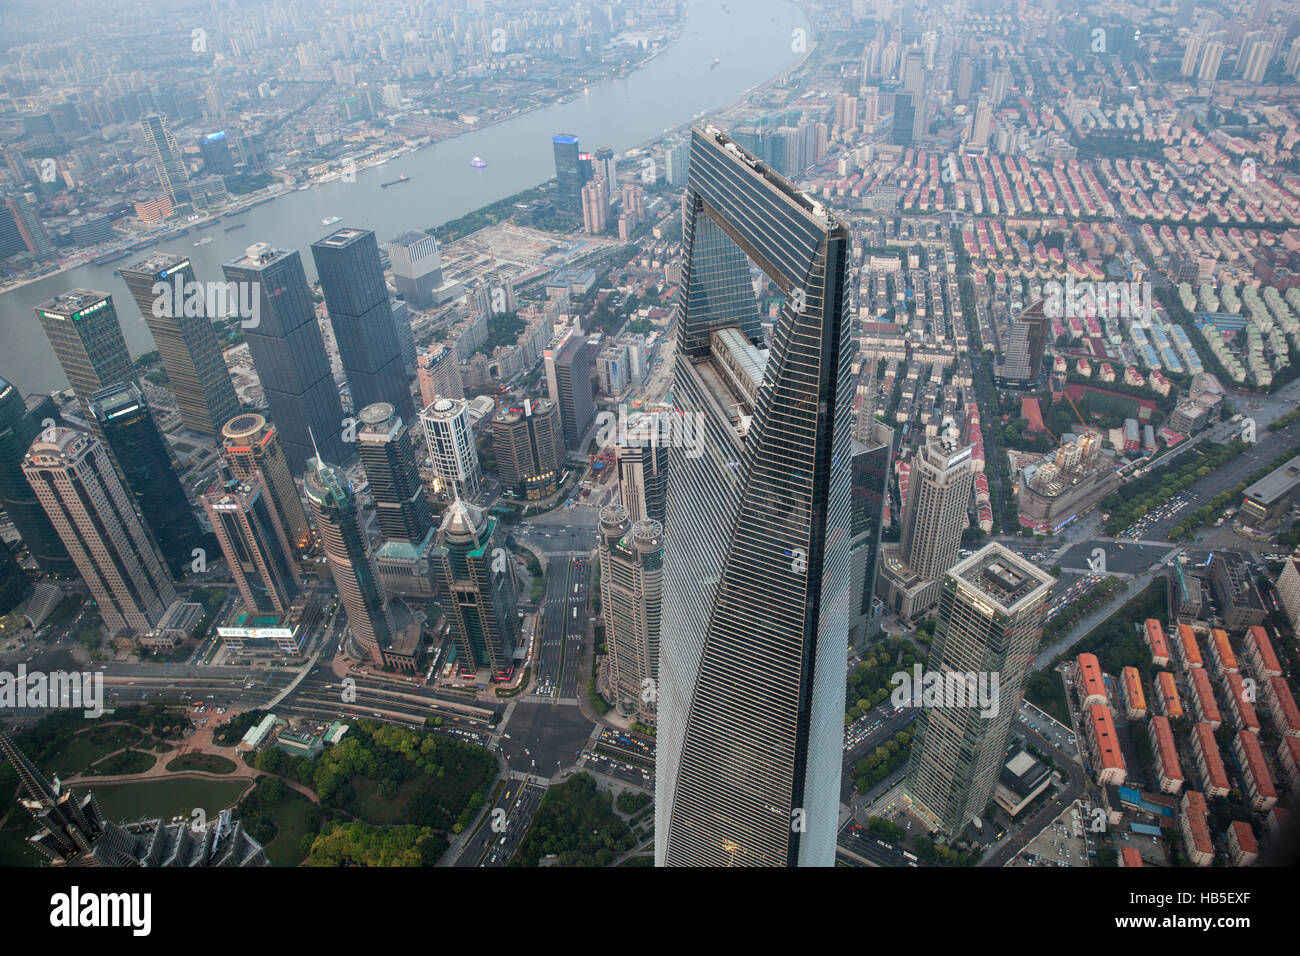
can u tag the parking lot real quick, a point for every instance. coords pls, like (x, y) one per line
(1061, 844)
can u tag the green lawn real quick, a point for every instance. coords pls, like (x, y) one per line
(207, 763)
(291, 814)
(90, 746)
(126, 762)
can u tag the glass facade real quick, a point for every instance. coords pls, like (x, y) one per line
(17, 431)
(150, 472)
(289, 353)
(83, 330)
(187, 343)
(356, 297)
(990, 620)
(756, 554)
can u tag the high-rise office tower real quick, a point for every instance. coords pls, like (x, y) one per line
(904, 119)
(150, 471)
(75, 483)
(568, 383)
(990, 622)
(450, 438)
(15, 586)
(214, 148)
(999, 85)
(187, 344)
(11, 239)
(631, 601)
(477, 578)
(384, 443)
(933, 519)
(252, 448)
(87, 340)
(438, 375)
(338, 521)
(1022, 362)
(168, 160)
(965, 77)
(254, 544)
(982, 124)
(872, 457)
(289, 353)
(356, 296)
(528, 442)
(21, 229)
(603, 164)
(677, 155)
(417, 267)
(18, 428)
(641, 458)
(913, 76)
(401, 315)
(756, 563)
(568, 174)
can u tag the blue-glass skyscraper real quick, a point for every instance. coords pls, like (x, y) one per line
(356, 296)
(289, 352)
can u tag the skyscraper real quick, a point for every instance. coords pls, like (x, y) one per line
(990, 622)
(15, 586)
(417, 267)
(677, 156)
(356, 296)
(17, 430)
(75, 483)
(334, 506)
(439, 377)
(1211, 60)
(187, 344)
(27, 227)
(450, 438)
(253, 543)
(1022, 362)
(252, 449)
(84, 332)
(631, 601)
(528, 443)
(595, 206)
(168, 161)
(756, 564)
(568, 383)
(641, 458)
(933, 519)
(477, 578)
(1191, 54)
(289, 353)
(150, 472)
(384, 442)
(872, 458)
(604, 166)
(568, 174)
(75, 832)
